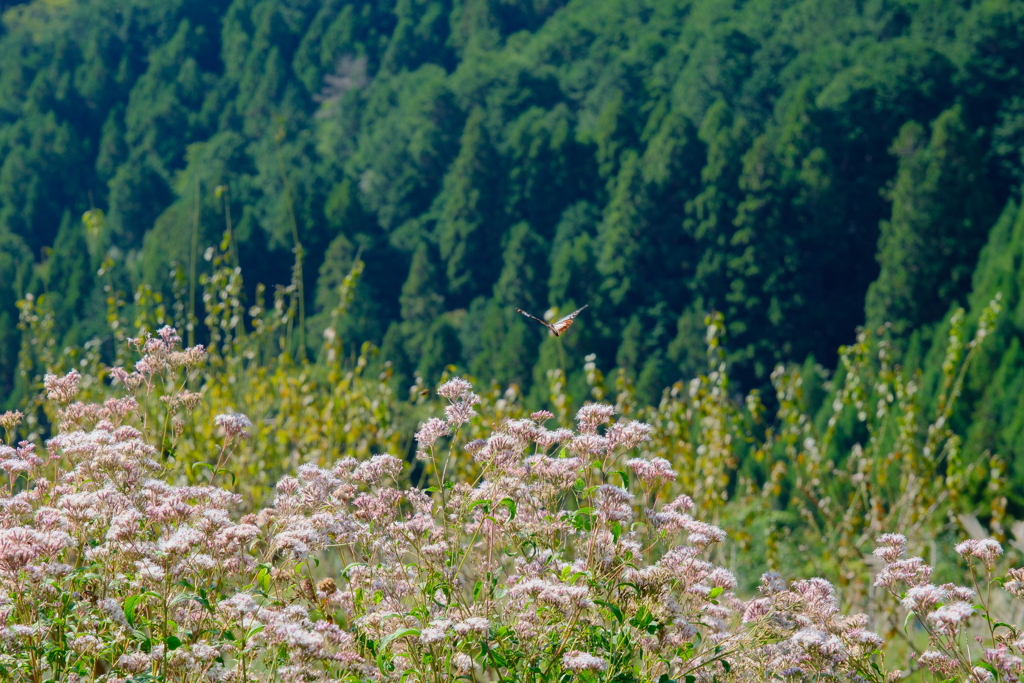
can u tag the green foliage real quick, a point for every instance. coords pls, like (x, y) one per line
(469, 215)
(989, 415)
(797, 165)
(940, 215)
(15, 269)
(670, 158)
(69, 279)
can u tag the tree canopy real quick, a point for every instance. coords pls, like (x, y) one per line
(802, 166)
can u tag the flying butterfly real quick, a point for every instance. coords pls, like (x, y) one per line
(558, 327)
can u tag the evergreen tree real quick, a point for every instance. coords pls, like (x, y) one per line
(421, 307)
(469, 217)
(941, 212)
(15, 271)
(989, 414)
(509, 341)
(69, 281)
(674, 157)
(139, 193)
(421, 299)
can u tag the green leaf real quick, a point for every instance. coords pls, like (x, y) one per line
(185, 597)
(172, 642)
(989, 667)
(577, 575)
(642, 618)
(616, 612)
(129, 608)
(400, 633)
(715, 592)
(511, 505)
(497, 659)
(263, 580)
(581, 519)
(199, 466)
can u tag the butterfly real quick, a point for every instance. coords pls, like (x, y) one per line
(559, 326)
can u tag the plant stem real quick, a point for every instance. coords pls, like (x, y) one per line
(297, 273)
(192, 273)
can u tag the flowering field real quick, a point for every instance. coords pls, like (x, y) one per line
(373, 468)
(618, 544)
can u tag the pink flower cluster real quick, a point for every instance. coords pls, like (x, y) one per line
(160, 356)
(145, 556)
(946, 610)
(809, 635)
(235, 425)
(567, 555)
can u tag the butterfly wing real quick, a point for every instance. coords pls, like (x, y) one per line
(533, 317)
(560, 326)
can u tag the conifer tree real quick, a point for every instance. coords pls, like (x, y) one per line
(941, 212)
(678, 157)
(990, 412)
(421, 304)
(69, 276)
(469, 220)
(508, 340)
(15, 271)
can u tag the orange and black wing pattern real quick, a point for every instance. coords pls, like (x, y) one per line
(559, 326)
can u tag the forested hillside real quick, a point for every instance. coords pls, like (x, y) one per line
(802, 166)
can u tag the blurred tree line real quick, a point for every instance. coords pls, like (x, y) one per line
(802, 166)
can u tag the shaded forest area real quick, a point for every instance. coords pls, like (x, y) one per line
(802, 166)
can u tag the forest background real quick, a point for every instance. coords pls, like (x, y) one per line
(803, 167)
